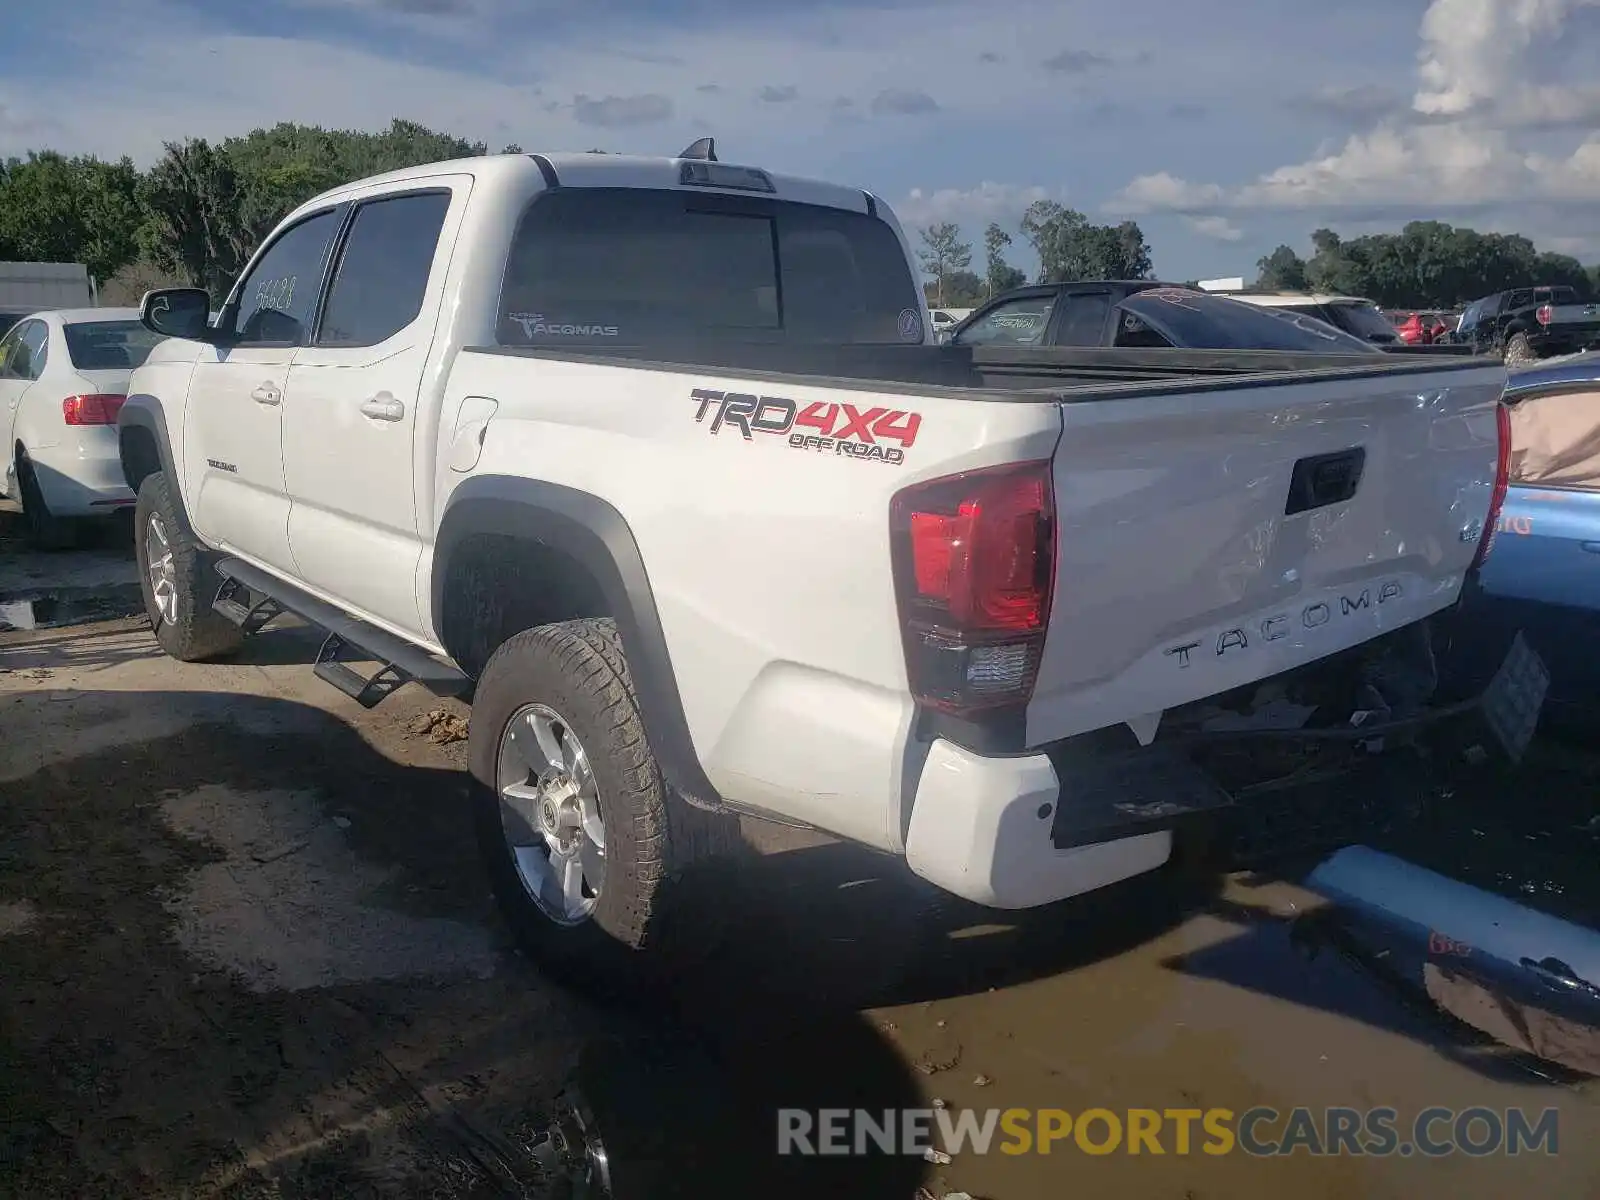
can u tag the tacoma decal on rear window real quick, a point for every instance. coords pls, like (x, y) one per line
(839, 429)
(536, 325)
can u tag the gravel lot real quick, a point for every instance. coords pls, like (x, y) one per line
(246, 952)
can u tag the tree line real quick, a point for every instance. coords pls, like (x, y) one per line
(1067, 244)
(196, 215)
(1427, 265)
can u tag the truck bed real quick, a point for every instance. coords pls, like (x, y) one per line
(1201, 545)
(1049, 374)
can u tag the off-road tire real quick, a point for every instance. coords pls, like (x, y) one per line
(1519, 349)
(647, 921)
(200, 633)
(46, 531)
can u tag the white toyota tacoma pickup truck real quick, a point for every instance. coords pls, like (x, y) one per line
(656, 460)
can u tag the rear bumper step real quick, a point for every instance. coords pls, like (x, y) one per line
(1162, 788)
(251, 598)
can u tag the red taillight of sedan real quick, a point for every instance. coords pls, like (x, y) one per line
(94, 409)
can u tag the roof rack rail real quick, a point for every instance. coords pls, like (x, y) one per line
(703, 148)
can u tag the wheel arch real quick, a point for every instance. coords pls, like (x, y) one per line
(143, 442)
(583, 547)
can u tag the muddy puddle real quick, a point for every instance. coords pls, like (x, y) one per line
(59, 607)
(246, 952)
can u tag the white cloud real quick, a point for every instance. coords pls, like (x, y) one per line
(1474, 52)
(1162, 190)
(619, 112)
(1217, 228)
(1464, 146)
(972, 208)
(538, 85)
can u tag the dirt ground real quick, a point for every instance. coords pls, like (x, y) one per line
(245, 951)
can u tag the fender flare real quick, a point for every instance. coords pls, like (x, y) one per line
(142, 411)
(595, 534)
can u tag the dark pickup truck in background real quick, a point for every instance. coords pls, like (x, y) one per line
(1526, 324)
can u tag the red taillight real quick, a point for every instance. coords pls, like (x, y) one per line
(1502, 481)
(1543, 314)
(974, 560)
(92, 410)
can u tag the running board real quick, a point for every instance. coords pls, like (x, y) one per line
(251, 598)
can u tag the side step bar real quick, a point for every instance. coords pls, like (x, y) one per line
(251, 598)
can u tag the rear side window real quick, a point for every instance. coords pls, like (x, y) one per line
(1083, 319)
(609, 266)
(1555, 295)
(26, 348)
(382, 275)
(108, 345)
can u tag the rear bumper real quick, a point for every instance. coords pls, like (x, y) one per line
(980, 828)
(82, 476)
(1018, 832)
(1564, 341)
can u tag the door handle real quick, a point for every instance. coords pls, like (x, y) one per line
(266, 394)
(1592, 547)
(383, 407)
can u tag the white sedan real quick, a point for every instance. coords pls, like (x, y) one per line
(63, 378)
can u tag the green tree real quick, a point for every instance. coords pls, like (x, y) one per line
(943, 253)
(196, 227)
(59, 209)
(1070, 247)
(1331, 267)
(962, 289)
(281, 168)
(999, 275)
(1281, 271)
(1431, 264)
(209, 206)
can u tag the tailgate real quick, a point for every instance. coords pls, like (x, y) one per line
(1570, 317)
(1222, 535)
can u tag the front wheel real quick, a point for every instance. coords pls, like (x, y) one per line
(178, 578)
(584, 842)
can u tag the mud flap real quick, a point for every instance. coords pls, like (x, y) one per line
(1500, 723)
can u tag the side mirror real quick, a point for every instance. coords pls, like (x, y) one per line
(177, 312)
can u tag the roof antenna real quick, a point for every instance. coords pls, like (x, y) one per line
(705, 148)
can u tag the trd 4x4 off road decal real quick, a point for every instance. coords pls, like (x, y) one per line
(841, 429)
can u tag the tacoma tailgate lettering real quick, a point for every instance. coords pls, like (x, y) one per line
(1273, 628)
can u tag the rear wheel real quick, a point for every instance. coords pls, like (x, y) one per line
(178, 578)
(584, 842)
(46, 531)
(1519, 349)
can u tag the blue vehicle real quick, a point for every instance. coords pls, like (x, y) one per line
(1543, 573)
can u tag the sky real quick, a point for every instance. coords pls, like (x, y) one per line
(1225, 127)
